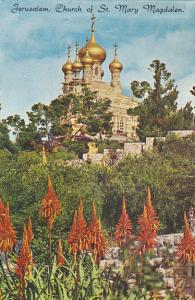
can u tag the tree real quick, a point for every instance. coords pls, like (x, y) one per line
(25, 134)
(193, 91)
(59, 118)
(5, 142)
(93, 113)
(158, 110)
(183, 118)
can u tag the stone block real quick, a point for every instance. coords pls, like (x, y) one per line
(134, 148)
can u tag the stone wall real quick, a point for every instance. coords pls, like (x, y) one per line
(170, 241)
(134, 149)
(181, 133)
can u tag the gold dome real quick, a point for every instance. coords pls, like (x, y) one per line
(87, 61)
(97, 53)
(77, 65)
(115, 65)
(67, 67)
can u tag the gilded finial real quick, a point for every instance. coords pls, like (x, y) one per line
(77, 66)
(87, 47)
(93, 23)
(115, 65)
(69, 48)
(115, 49)
(67, 67)
(87, 60)
(97, 53)
(77, 48)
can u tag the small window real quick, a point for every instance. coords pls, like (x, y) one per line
(121, 125)
(96, 71)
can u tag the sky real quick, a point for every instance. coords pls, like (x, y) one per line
(33, 46)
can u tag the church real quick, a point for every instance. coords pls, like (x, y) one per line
(87, 71)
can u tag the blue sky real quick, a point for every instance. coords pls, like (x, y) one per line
(33, 46)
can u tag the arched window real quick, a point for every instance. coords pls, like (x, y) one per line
(121, 124)
(96, 71)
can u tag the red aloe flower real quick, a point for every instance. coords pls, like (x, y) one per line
(2, 208)
(72, 236)
(81, 228)
(146, 233)
(77, 237)
(60, 256)
(50, 206)
(24, 263)
(8, 235)
(151, 212)
(124, 226)
(97, 241)
(186, 247)
(30, 231)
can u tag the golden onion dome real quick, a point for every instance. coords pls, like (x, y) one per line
(67, 67)
(115, 65)
(77, 65)
(97, 53)
(87, 61)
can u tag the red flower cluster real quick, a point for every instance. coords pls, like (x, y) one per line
(152, 215)
(86, 238)
(77, 237)
(146, 234)
(186, 247)
(8, 235)
(24, 261)
(124, 226)
(50, 206)
(97, 241)
(60, 256)
(148, 225)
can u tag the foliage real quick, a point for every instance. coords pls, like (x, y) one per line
(192, 91)
(5, 142)
(25, 134)
(58, 119)
(169, 171)
(158, 111)
(82, 279)
(76, 147)
(107, 144)
(78, 281)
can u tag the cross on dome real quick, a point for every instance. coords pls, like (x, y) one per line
(93, 23)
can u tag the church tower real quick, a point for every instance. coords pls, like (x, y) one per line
(115, 68)
(77, 65)
(87, 62)
(96, 52)
(68, 74)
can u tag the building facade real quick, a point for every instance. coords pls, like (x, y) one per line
(87, 71)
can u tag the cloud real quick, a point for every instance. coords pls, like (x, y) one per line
(29, 82)
(175, 49)
(33, 50)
